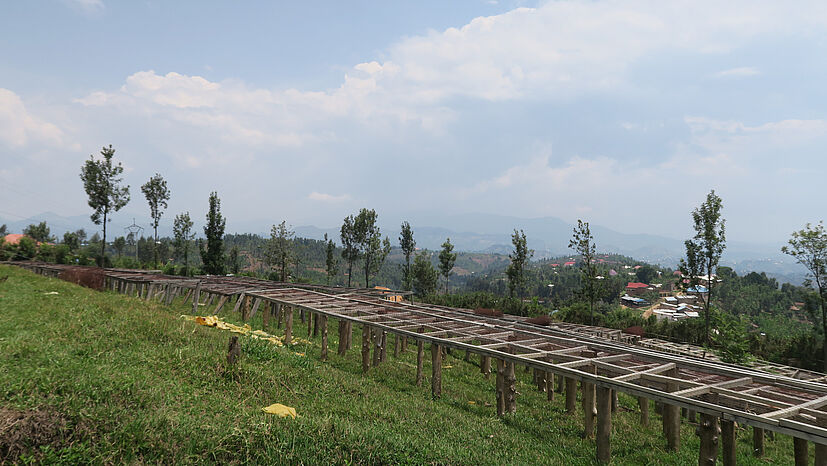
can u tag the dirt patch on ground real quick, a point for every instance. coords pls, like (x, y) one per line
(25, 431)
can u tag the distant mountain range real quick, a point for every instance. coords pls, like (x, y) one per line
(548, 236)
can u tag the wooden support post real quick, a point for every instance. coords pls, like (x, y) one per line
(301, 315)
(604, 425)
(279, 315)
(588, 406)
(420, 355)
(614, 401)
(436, 370)
(561, 384)
(672, 419)
(323, 323)
(342, 342)
(366, 333)
(644, 411)
(288, 324)
(510, 388)
(256, 306)
(342, 339)
(757, 442)
(500, 390)
(377, 347)
(220, 304)
(168, 293)
(404, 347)
(316, 317)
(691, 416)
(233, 352)
(801, 453)
(571, 395)
(821, 450)
(728, 441)
(485, 365)
(349, 326)
(396, 346)
(245, 314)
(196, 295)
(550, 386)
(540, 380)
(709, 432)
(383, 354)
(309, 325)
(265, 316)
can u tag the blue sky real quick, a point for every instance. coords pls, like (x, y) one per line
(622, 113)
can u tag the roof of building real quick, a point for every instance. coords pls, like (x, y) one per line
(13, 238)
(637, 285)
(698, 289)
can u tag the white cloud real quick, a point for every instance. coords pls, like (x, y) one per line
(18, 127)
(740, 72)
(749, 162)
(87, 6)
(562, 49)
(557, 51)
(316, 196)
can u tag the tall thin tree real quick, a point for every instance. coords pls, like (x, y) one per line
(280, 251)
(350, 245)
(182, 230)
(703, 251)
(157, 194)
(102, 182)
(447, 258)
(519, 258)
(332, 265)
(582, 242)
(213, 254)
(408, 245)
(374, 250)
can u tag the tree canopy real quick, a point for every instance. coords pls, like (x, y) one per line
(809, 248)
(213, 254)
(408, 245)
(703, 251)
(157, 194)
(447, 258)
(102, 182)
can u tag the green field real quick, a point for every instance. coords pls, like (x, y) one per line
(99, 377)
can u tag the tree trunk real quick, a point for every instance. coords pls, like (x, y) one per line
(103, 241)
(823, 321)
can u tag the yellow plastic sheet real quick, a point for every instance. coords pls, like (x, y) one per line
(280, 410)
(216, 322)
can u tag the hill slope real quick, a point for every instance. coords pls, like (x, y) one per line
(122, 380)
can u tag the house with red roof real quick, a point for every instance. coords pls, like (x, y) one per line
(12, 239)
(637, 288)
(569, 263)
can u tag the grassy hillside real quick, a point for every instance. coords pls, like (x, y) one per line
(98, 377)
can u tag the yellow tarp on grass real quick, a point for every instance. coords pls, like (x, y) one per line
(280, 410)
(216, 322)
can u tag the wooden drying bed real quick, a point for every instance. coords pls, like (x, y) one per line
(599, 359)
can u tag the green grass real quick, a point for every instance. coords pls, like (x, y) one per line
(136, 383)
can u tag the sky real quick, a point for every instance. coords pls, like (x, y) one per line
(621, 113)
